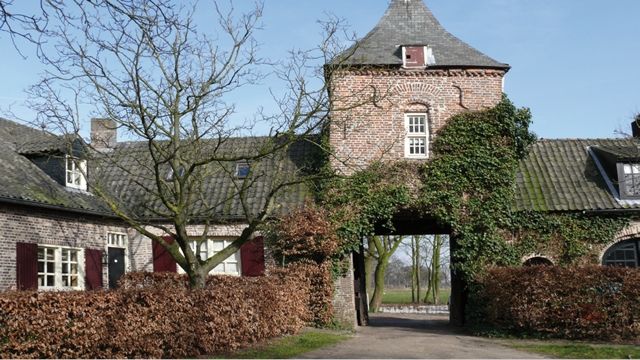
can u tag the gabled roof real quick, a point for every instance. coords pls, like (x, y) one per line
(410, 22)
(21, 181)
(561, 175)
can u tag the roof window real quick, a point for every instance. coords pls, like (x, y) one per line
(417, 56)
(242, 169)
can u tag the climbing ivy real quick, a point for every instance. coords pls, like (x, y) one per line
(368, 199)
(469, 185)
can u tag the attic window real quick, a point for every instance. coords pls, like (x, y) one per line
(171, 173)
(630, 181)
(75, 172)
(242, 170)
(417, 57)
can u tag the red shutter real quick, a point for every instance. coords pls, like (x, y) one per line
(162, 260)
(27, 266)
(252, 257)
(414, 56)
(92, 269)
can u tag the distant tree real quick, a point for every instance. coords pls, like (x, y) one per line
(381, 248)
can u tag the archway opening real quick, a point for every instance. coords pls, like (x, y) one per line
(538, 261)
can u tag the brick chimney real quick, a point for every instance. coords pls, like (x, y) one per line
(104, 134)
(635, 127)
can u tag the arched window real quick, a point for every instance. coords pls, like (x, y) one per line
(538, 261)
(623, 254)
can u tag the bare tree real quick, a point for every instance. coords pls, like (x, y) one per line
(147, 67)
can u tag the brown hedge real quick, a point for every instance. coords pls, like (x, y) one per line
(594, 302)
(153, 315)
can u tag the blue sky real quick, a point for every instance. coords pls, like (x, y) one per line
(575, 63)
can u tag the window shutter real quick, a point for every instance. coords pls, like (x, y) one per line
(414, 56)
(252, 257)
(27, 266)
(162, 260)
(93, 269)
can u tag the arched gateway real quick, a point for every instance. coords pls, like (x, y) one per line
(422, 75)
(425, 75)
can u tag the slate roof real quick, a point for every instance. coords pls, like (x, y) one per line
(410, 22)
(220, 185)
(560, 175)
(23, 182)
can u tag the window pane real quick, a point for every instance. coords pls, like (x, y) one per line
(50, 267)
(65, 268)
(50, 281)
(232, 268)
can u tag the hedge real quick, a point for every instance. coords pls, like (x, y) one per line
(596, 303)
(153, 315)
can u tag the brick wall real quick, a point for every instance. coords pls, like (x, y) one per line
(363, 130)
(48, 227)
(344, 302)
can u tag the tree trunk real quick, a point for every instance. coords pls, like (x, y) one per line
(413, 270)
(417, 242)
(368, 264)
(378, 292)
(197, 278)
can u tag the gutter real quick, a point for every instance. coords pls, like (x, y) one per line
(15, 201)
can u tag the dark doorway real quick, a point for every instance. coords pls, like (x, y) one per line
(116, 266)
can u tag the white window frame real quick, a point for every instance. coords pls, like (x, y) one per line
(58, 269)
(413, 135)
(78, 167)
(207, 248)
(124, 245)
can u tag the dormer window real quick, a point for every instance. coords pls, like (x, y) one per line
(620, 168)
(417, 57)
(242, 170)
(630, 181)
(75, 173)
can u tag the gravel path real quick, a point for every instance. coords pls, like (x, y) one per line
(411, 336)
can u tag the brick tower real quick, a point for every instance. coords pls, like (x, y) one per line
(412, 75)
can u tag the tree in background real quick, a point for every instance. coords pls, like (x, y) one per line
(382, 247)
(435, 267)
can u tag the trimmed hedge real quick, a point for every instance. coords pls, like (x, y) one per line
(601, 303)
(153, 315)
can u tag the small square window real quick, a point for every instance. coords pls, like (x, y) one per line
(242, 170)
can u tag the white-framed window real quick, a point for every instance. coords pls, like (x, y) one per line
(74, 174)
(117, 239)
(60, 268)
(230, 266)
(416, 145)
(630, 181)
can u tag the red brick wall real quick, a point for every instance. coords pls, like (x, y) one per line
(363, 130)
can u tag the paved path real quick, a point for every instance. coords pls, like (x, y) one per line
(412, 336)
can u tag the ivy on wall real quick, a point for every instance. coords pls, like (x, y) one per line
(469, 185)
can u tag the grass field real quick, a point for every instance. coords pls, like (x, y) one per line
(582, 351)
(403, 296)
(291, 346)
